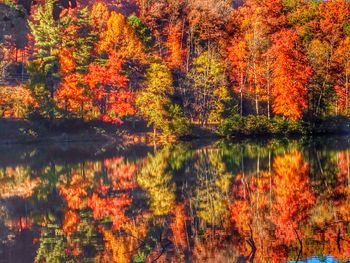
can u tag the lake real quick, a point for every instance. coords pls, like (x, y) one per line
(245, 201)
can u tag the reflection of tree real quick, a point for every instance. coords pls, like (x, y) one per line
(121, 247)
(197, 210)
(16, 181)
(52, 245)
(273, 205)
(293, 196)
(213, 183)
(75, 193)
(178, 226)
(157, 181)
(250, 212)
(97, 192)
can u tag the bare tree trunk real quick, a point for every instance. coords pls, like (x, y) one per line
(154, 138)
(256, 92)
(268, 87)
(347, 165)
(346, 93)
(241, 95)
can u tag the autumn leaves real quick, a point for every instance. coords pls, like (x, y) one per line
(264, 58)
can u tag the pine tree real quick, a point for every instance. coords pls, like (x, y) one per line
(43, 70)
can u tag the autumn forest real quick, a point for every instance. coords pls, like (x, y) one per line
(174, 131)
(243, 66)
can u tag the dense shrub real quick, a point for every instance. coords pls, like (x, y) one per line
(15, 102)
(178, 124)
(260, 125)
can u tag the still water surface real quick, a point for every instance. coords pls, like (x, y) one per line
(249, 201)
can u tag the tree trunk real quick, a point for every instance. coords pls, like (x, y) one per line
(346, 93)
(241, 95)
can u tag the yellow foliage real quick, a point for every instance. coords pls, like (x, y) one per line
(120, 37)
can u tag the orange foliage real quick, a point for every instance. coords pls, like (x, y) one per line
(121, 248)
(291, 74)
(100, 15)
(71, 95)
(66, 60)
(70, 223)
(176, 53)
(293, 195)
(110, 207)
(334, 14)
(15, 102)
(113, 206)
(109, 89)
(342, 63)
(75, 192)
(119, 37)
(178, 226)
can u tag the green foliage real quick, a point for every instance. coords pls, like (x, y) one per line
(46, 32)
(142, 31)
(41, 91)
(180, 153)
(154, 102)
(346, 28)
(208, 83)
(43, 71)
(157, 181)
(212, 188)
(11, 4)
(260, 125)
(83, 40)
(155, 98)
(178, 123)
(52, 245)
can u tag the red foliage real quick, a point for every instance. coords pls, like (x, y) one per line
(176, 53)
(291, 74)
(109, 90)
(113, 207)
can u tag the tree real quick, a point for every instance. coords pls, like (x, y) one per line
(342, 63)
(154, 100)
(99, 16)
(206, 77)
(321, 92)
(120, 37)
(334, 17)
(255, 36)
(208, 20)
(237, 54)
(71, 95)
(74, 60)
(109, 90)
(291, 74)
(142, 31)
(256, 20)
(47, 36)
(175, 52)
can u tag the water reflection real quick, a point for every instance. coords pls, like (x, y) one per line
(272, 201)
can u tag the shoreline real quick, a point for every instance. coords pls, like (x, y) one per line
(25, 132)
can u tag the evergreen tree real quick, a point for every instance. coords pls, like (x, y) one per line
(43, 70)
(142, 31)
